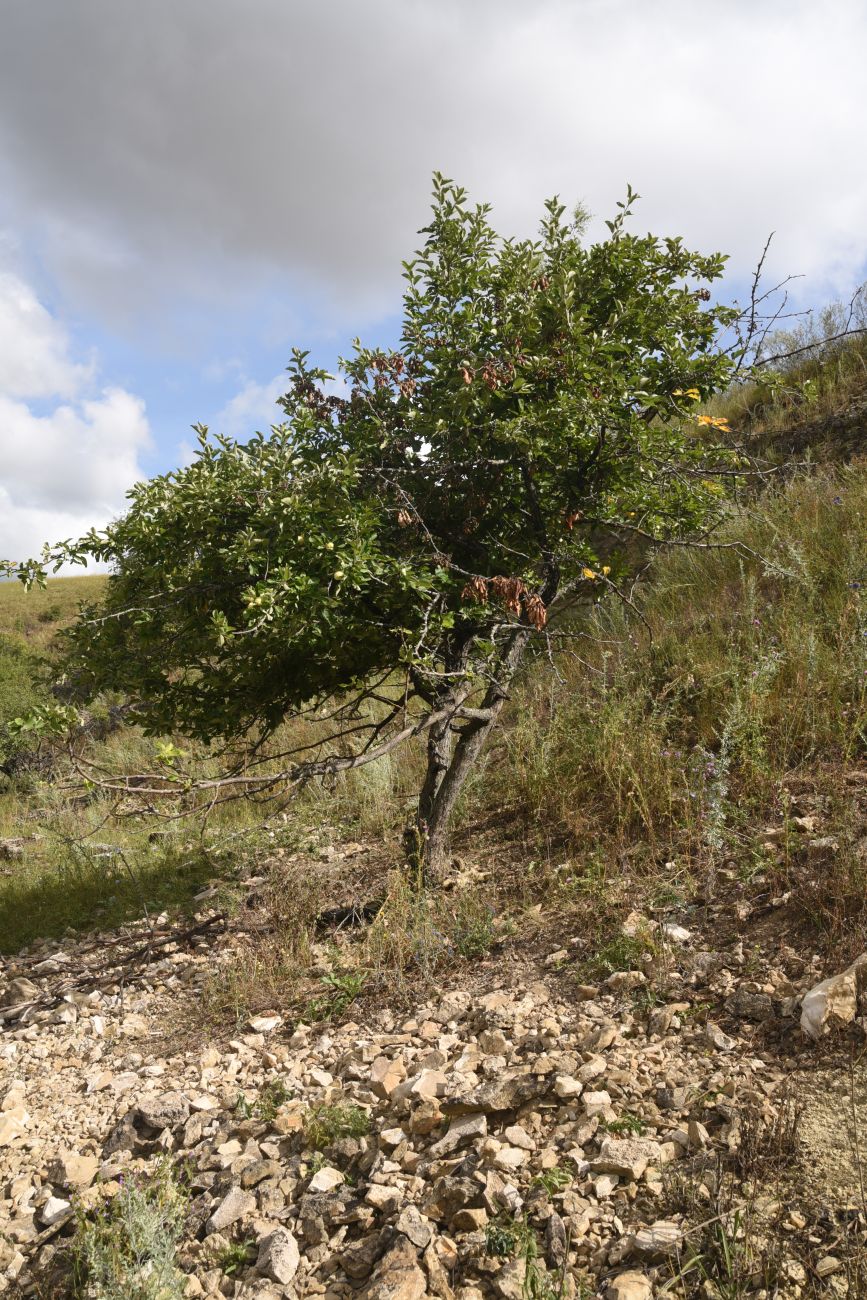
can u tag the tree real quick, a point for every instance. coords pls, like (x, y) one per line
(390, 553)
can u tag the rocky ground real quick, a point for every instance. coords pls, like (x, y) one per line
(668, 1129)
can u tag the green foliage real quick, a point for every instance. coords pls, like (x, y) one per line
(506, 1237)
(628, 1125)
(509, 1237)
(237, 1255)
(621, 952)
(342, 988)
(127, 1249)
(541, 400)
(20, 690)
(62, 884)
(473, 932)
(554, 1180)
(324, 1125)
(265, 1107)
(35, 615)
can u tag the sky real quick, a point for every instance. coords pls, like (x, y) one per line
(188, 190)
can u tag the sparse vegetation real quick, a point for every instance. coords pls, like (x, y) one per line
(554, 1180)
(126, 1250)
(237, 1255)
(642, 775)
(327, 1124)
(341, 989)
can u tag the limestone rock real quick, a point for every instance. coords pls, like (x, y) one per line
(462, 1130)
(625, 981)
(12, 1126)
(70, 1170)
(834, 1001)
(628, 1157)
(660, 1239)
(55, 1209)
(415, 1226)
(234, 1206)
(750, 1006)
(397, 1276)
(504, 1093)
(163, 1110)
(265, 1025)
(325, 1180)
(631, 1285)
(278, 1256)
(386, 1075)
(718, 1039)
(18, 993)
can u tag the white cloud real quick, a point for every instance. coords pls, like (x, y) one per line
(34, 349)
(306, 150)
(253, 409)
(66, 464)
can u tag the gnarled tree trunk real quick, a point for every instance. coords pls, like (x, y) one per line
(450, 762)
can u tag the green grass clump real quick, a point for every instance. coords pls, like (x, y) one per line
(128, 1249)
(324, 1125)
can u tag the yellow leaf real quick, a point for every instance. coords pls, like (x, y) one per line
(588, 573)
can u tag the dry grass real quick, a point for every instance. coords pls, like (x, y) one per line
(36, 615)
(677, 729)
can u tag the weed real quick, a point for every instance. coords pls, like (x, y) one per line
(265, 1107)
(325, 1125)
(343, 987)
(473, 928)
(236, 1256)
(553, 1180)
(644, 1000)
(622, 952)
(628, 1125)
(127, 1249)
(271, 1098)
(507, 1237)
(244, 1108)
(514, 1238)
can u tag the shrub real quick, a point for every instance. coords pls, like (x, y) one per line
(127, 1250)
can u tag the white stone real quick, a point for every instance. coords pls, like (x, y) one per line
(264, 1025)
(834, 1001)
(278, 1256)
(234, 1205)
(54, 1210)
(596, 1103)
(325, 1180)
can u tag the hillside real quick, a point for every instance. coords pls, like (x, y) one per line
(576, 1070)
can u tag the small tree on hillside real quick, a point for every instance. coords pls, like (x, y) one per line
(389, 555)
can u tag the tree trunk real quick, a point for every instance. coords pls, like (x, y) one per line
(439, 757)
(448, 769)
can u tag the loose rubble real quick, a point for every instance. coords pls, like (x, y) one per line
(562, 1110)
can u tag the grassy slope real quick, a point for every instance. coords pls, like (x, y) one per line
(28, 623)
(668, 736)
(35, 615)
(72, 873)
